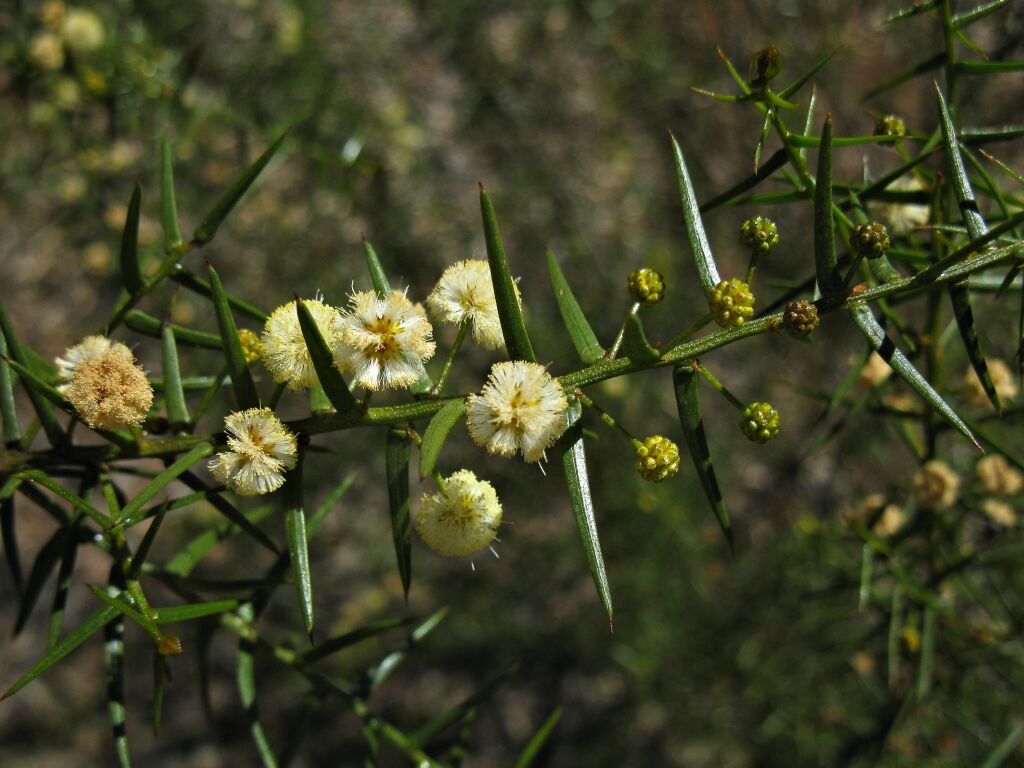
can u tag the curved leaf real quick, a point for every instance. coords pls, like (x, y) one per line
(588, 348)
(168, 204)
(131, 271)
(441, 423)
(234, 355)
(510, 313)
(830, 282)
(635, 344)
(148, 325)
(133, 511)
(177, 410)
(528, 755)
(378, 277)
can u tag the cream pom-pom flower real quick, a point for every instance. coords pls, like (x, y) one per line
(462, 518)
(283, 347)
(108, 389)
(383, 342)
(465, 293)
(520, 408)
(88, 348)
(260, 450)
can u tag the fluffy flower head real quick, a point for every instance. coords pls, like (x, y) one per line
(260, 450)
(465, 292)
(903, 218)
(383, 342)
(936, 486)
(107, 388)
(1002, 379)
(88, 348)
(283, 347)
(83, 30)
(462, 518)
(520, 408)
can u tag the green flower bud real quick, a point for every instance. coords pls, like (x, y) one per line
(765, 65)
(732, 303)
(646, 286)
(870, 240)
(801, 317)
(657, 458)
(759, 234)
(760, 422)
(891, 125)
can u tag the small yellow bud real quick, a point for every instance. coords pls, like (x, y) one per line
(251, 346)
(646, 286)
(657, 458)
(732, 303)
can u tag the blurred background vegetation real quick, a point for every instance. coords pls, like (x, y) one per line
(397, 108)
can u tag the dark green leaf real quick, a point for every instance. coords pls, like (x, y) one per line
(960, 297)
(335, 644)
(574, 462)
(635, 344)
(510, 312)
(187, 557)
(113, 662)
(88, 628)
(140, 322)
(177, 410)
(914, 10)
(43, 408)
(246, 680)
(142, 552)
(440, 425)
(963, 19)
(378, 277)
(234, 355)
(988, 67)
(168, 204)
(194, 611)
(685, 381)
(64, 574)
(229, 198)
(423, 736)
(587, 346)
(927, 662)
(702, 256)
(160, 675)
(884, 346)
(830, 282)
(121, 605)
(131, 513)
(10, 540)
(973, 136)
(331, 380)
(46, 560)
(8, 408)
(797, 84)
(528, 755)
(1005, 748)
(41, 478)
(928, 65)
(201, 287)
(377, 674)
(397, 452)
(298, 549)
(799, 140)
(131, 271)
(778, 159)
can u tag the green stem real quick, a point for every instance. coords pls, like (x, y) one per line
(719, 386)
(689, 331)
(617, 344)
(450, 360)
(606, 417)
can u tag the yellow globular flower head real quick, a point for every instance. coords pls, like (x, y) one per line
(252, 348)
(646, 286)
(284, 350)
(462, 518)
(51, 13)
(83, 30)
(1002, 379)
(1000, 513)
(998, 477)
(520, 408)
(46, 51)
(383, 342)
(260, 450)
(936, 486)
(465, 292)
(760, 422)
(732, 303)
(657, 458)
(107, 389)
(88, 348)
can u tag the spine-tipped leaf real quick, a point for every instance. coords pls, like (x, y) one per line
(229, 199)
(298, 546)
(587, 346)
(131, 271)
(574, 462)
(885, 347)
(437, 432)
(702, 256)
(378, 277)
(830, 282)
(177, 410)
(510, 312)
(331, 381)
(685, 381)
(241, 376)
(168, 202)
(635, 344)
(397, 452)
(43, 408)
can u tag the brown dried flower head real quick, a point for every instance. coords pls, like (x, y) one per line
(110, 390)
(936, 485)
(998, 477)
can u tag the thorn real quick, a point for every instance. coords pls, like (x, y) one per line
(482, 190)
(611, 624)
(312, 643)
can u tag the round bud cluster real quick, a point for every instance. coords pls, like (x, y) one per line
(760, 422)
(646, 286)
(891, 125)
(732, 303)
(759, 234)
(657, 458)
(252, 349)
(764, 66)
(870, 240)
(801, 317)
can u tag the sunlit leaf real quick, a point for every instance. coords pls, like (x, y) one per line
(148, 325)
(168, 202)
(397, 453)
(702, 256)
(830, 282)
(635, 344)
(437, 431)
(131, 271)
(331, 380)
(588, 348)
(234, 355)
(540, 738)
(131, 512)
(177, 410)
